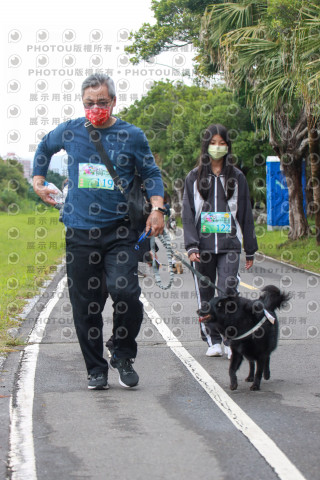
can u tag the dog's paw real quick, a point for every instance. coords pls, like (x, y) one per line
(254, 387)
(233, 386)
(249, 379)
(266, 375)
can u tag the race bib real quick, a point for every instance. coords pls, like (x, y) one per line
(94, 175)
(216, 222)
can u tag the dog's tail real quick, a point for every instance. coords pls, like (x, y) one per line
(273, 298)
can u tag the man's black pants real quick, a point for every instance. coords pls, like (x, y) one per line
(94, 256)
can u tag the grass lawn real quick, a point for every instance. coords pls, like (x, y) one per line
(32, 245)
(302, 253)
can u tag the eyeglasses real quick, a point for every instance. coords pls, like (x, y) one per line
(101, 104)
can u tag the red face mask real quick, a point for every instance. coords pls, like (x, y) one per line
(97, 115)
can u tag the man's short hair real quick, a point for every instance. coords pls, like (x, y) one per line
(96, 80)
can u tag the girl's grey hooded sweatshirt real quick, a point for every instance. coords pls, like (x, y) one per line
(242, 225)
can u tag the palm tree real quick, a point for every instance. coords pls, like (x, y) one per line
(259, 57)
(308, 46)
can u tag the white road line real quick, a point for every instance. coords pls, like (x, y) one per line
(22, 461)
(259, 439)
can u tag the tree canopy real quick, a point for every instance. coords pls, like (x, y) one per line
(14, 187)
(174, 117)
(268, 52)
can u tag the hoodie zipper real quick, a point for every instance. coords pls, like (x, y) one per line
(215, 209)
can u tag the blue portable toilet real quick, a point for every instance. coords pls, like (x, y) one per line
(277, 194)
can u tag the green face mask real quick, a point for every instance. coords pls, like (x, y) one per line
(216, 152)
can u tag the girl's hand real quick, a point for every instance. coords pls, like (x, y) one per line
(249, 264)
(194, 257)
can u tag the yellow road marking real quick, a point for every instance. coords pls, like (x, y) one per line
(250, 287)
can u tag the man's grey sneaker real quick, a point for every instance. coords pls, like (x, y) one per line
(128, 377)
(98, 381)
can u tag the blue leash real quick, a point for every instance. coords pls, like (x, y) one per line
(142, 237)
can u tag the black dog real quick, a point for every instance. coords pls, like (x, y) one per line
(235, 317)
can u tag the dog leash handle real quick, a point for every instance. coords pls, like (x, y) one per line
(142, 237)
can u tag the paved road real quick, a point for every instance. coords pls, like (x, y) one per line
(182, 421)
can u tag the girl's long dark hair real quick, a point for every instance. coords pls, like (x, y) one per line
(204, 163)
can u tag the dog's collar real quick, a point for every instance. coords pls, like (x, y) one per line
(270, 317)
(267, 316)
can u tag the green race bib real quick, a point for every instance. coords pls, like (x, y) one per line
(94, 175)
(216, 222)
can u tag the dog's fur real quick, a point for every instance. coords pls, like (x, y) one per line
(235, 316)
(171, 225)
(177, 267)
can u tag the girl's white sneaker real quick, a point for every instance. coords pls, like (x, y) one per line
(214, 351)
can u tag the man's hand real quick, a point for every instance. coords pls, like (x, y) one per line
(155, 221)
(42, 191)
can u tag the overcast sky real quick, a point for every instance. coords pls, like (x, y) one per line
(50, 47)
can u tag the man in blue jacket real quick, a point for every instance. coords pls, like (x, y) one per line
(99, 240)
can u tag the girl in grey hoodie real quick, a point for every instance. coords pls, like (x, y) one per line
(217, 219)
